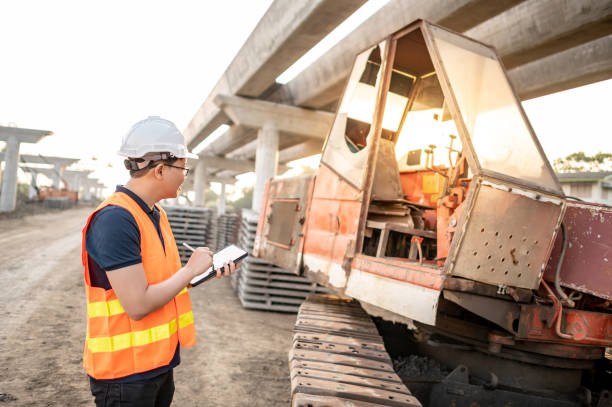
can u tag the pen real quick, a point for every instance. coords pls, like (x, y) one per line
(187, 245)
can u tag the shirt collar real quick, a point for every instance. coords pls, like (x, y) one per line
(137, 199)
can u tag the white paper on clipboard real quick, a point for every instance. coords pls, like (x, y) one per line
(230, 253)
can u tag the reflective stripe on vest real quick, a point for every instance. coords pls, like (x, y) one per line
(138, 338)
(116, 345)
(109, 308)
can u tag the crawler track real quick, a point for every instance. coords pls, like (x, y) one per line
(338, 358)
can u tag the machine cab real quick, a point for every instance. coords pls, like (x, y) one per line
(431, 171)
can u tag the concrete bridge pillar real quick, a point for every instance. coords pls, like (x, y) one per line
(33, 185)
(266, 161)
(87, 187)
(200, 182)
(222, 200)
(8, 194)
(272, 119)
(57, 180)
(76, 179)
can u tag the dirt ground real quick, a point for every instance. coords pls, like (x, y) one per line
(240, 358)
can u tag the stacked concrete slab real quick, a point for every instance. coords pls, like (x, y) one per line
(227, 229)
(57, 202)
(261, 285)
(212, 232)
(192, 226)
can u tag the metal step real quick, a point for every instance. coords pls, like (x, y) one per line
(339, 359)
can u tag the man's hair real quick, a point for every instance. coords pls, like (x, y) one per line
(137, 173)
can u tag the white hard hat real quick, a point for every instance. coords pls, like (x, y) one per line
(154, 134)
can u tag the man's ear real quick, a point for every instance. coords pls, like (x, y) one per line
(158, 170)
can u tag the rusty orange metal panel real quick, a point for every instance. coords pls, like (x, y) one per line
(282, 222)
(401, 270)
(333, 217)
(327, 245)
(585, 327)
(331, 186)
(424, 187)
(261, 223)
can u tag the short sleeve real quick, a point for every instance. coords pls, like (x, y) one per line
(113, 239)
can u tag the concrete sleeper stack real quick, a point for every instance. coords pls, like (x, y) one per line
(190, 225)
(261, 285)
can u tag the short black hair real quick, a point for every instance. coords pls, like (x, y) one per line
(152, 164)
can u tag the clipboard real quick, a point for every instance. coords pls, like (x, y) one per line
(230, 253)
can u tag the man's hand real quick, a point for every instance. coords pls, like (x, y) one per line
(227, 270)
(201, 259)
(139, 299)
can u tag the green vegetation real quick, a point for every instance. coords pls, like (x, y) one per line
(245, 201)
(579, 162)
(210, 198)
(23, 191)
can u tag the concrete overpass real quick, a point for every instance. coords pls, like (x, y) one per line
(74, 178)
(547, 45)
(57, 163)
(14, 136)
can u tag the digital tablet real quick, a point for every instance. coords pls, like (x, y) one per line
(230, 253)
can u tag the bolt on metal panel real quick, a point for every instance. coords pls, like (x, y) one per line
(505, 236)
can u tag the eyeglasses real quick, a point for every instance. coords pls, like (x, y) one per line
(185, 170)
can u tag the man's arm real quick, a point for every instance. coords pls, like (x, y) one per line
(139, 299)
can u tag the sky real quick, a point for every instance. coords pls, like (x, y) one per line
(88, 70)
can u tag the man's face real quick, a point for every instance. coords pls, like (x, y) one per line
(174, 177)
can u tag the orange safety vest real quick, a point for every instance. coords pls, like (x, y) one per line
(116, 345)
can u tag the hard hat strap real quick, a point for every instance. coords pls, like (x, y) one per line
(147, 161)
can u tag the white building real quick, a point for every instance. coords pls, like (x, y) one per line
(588, 186)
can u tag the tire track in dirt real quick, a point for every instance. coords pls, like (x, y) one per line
(41, 310)
(31, 262)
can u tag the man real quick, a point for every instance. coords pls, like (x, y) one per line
(138, 308)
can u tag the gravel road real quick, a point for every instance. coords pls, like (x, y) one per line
(240, 358)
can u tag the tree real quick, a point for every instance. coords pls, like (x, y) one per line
(210, 198)
(579, 162)
(246, 201)
(23, 192)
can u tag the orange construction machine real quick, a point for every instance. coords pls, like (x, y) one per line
(435, 205)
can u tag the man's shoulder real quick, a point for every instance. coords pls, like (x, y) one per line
(113, 211)
(113, 238)
(113, 215)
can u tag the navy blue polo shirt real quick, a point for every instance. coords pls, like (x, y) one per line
(113, 242)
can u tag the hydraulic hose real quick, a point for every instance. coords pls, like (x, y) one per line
(558, 288)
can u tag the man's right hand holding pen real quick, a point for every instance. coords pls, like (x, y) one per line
(202, 259)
